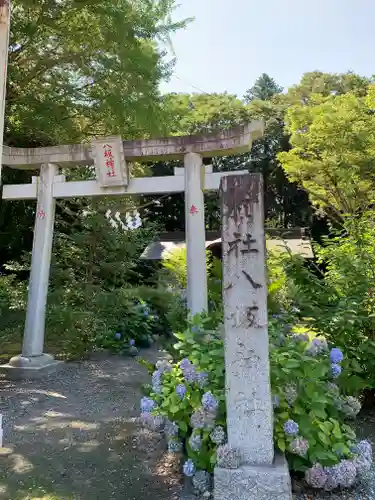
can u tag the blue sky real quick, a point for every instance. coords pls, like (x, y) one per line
(231, 42)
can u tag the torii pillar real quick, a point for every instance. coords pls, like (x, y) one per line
(110, 156)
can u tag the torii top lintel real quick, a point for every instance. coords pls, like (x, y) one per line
(228, 142)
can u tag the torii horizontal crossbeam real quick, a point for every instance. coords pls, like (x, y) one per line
(140, 185)
(228, 142)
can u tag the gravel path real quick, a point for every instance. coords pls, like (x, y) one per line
(76, 436)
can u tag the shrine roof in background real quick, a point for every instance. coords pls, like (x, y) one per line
(294, 240)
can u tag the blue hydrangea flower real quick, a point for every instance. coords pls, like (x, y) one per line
(218, 435)
(147, 404)
(174, 446)
(189, 370)
(364, 448)
(163, 366)
(195, 441)
(189, 468)
(132, 342)
(291, 428)
(181, 390)
(202, 419)
(335, 370)
(170, 429)
(209, 402)
(194, 329)
(336, 355)
(117, 336)
(156, 381)
(185, 364)
(202, 379)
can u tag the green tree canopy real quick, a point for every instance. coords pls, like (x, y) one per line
(264, 88)
(84, 67)
(333, 151)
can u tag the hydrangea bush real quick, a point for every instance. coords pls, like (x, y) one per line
(133, 329)
(312, 418)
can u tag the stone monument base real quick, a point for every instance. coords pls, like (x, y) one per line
(33, 367)
(254, 482)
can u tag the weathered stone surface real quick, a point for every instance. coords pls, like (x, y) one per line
(248, 393)
(254, 482)
(224, 143)
(34, 367)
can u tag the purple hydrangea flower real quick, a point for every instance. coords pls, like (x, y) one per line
(336, 355)
(202, 419)
(209, 402)
(335, 370)
(316, 476)
(170, 429)
(147, 404)
(132, 342)
(347, 473)
(317, 346)
(218, 435)
(299, 446)
(181, 390)
(152, 422)
(333, 477)
(195, 441)
(189, 468)
(117, 336)
(291, 428)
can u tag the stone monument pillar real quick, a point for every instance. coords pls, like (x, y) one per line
(260, 475)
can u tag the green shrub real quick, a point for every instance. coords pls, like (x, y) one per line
(187, 399)
(340, 302)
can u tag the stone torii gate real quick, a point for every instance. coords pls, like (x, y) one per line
(111, 157)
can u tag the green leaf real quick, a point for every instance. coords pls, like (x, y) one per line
(281, 444)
